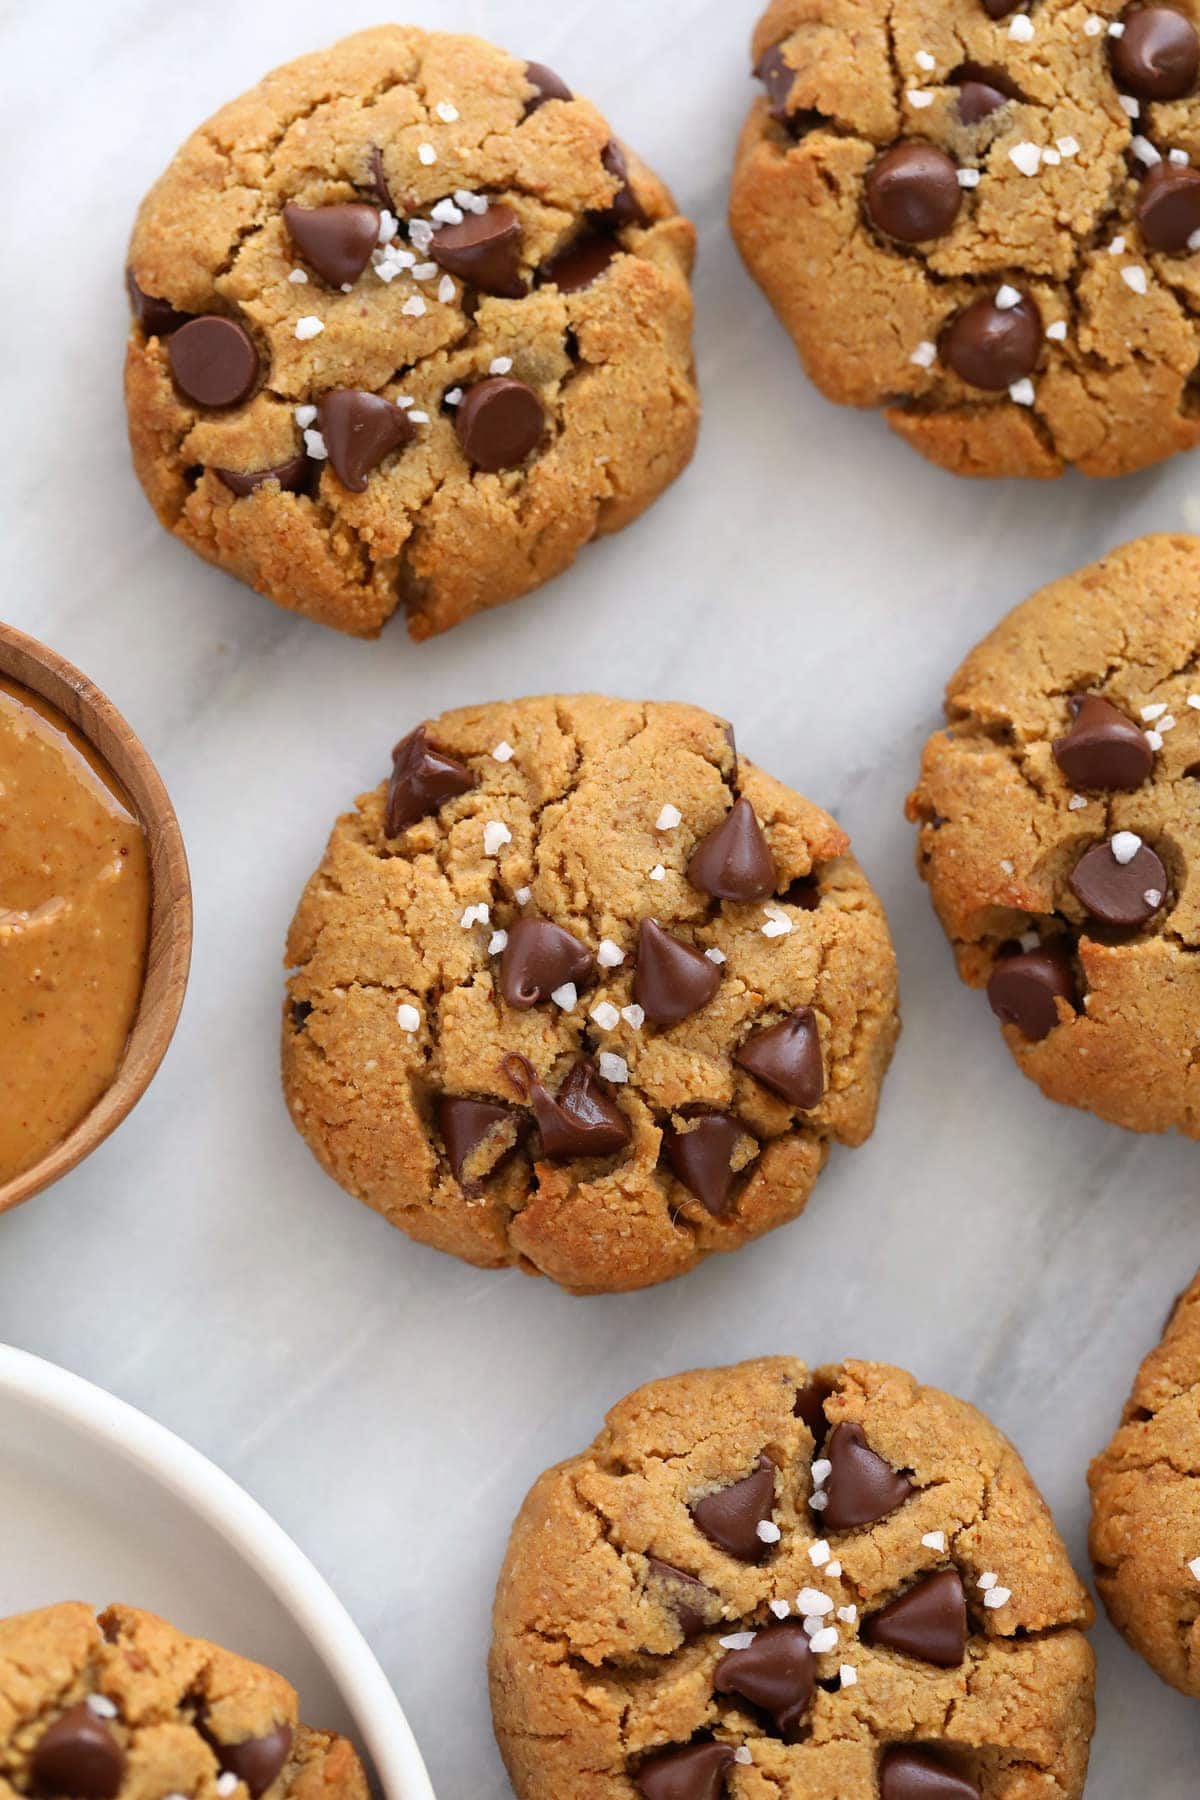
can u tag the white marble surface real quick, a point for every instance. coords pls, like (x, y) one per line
(809, 577)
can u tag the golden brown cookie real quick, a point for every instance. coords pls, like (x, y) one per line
(128, 1708)
(978, 215)
(410, 328)
(1059, 818)
(579, 991)
(1145, 1537)
(770, 1583)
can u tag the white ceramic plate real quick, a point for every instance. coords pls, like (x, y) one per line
(99, 1503)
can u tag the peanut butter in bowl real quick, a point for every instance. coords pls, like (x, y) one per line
(75, 898)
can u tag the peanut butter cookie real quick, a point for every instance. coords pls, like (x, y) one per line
(410, 327)
(128, 1708)
(1059, 820)
(982, 216)
(770, 1583)
(1145, 1537)
(579, 991)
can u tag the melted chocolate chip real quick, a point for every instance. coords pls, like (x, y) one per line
(583, 1120)
(423, 778)
(913, 193)
(989, 346)
(695, 1772)
(787, 1059)
(906, 1774)
(624, 208)
(999, 9)
(580, 264)
(804, 892)
(465, 1125)
(359, 430)
(499, 422)
(702, 1159)
(484, 249)
(78, 1756)
(1103, 749)
(809, 1405)
(291, 476)
(691, 1602)
(778, 77)
(257, 1761)
(1120, 893)
(1168, 207)
(336, 241)
(730, 1518)
(213, 360)
(157, 318)
(1022, 990)
(776, 1674)
(673, 979)
(538, 958)
(379, 181)
(929, 1621)
(546, 85)
(1157, 56)
(981, 91)
(734, 861)
(861, 1487)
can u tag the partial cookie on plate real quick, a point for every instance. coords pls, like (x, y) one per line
(1059, 816)
(581, 991)
(770, 1580)
(982, 217)
(410, 326)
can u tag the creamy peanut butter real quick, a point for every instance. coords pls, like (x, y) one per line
(74, 920)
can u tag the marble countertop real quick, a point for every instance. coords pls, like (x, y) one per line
(810, 578)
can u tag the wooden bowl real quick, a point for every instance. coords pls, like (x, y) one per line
(169, 948)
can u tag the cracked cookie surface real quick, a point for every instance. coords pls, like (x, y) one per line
(128, 1708)
(1059, 818)
(1145, 1536)
(978, 218)
(580, 991)
(410, 328)
(767, 1581)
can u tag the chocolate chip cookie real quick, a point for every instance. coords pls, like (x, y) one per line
(1145, 1537)
(770, 1581)
(410, 327)
(128, 1708)
(1059, 820)
(578, 990)
(983, 216)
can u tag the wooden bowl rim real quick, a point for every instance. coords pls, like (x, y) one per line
(44, 672)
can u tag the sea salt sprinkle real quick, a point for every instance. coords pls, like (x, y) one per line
(742, 1754)
(523, 896)
(308, 327)
(1116, 246)
(608, 954)
(925, 354)
(1057, 331)
(919, 97)
(668, 818)
(780, 1608)
(500, 365)
(993, 1594)
(1093, 26)
(1067, 146)
(715, 956)
(227, 1784)
(1134, 276)
(1125, 846)
(495, 835)
(566, 996)
(1193, 701)
(472, 203)
(1129, 105)
(767, 1531)
(314, 443)
(1154, 739)
(1077, 802)
(503, 752)
(811, 1603)
(426, 154)
(848, 1675)
(778, 924)
(1179, 157)
(847, 1614)
(1021, 29)
(102, 1706)
(475, 915)
(298, 277)
(414, 307)
(1154, 711)
(446, 289)
(737, 1640)
(1026, 156)
(613, 1067)
(408, 1018)
(935, 1540)
(453, 397)
(606, 1015)
(1194, 1566)
(924, 61)
(1144, 150)
(658, 873)
(497, 942)
(304, 415)
(389, 225)
(818, 1553)
(446, 112)
(634, 1016)
(968, 178)
(1022, 391)
(1007, 297)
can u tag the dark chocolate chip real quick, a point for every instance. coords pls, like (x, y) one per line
(291, 476)
(300, 1011)
(583, 1120)
(695, 1772)
(702, 1159)
(730, 1518)
(778, 77)
(624, 208)
(1103, 748)
(484, 249)
(78, 1756)
(1168, 207)
(538, 958)
(990, 346)
(1120, 893)
(499, 422)
(1022, 990)
(861, 1486)
(804, 892)
(906, 1774)
(423, 779)
(913, 193)
(257, 1761)
(379, 181)
(776, 1674)
(692, 1603)
(1157, 56)
(359, 430)
(673, 979)
(981, 91)
(465, 1125)
(1000, 9)
(929, 1621)
(213, 361)
(809, 1405)
(734, 861)
(336, 241)
(546, 85)
(787, 1059)
(157, 318)
(580, 264)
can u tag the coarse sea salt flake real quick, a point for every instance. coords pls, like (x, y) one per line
(1134, 277)
(1193, 701)
(848, 1675)
(818, 1553)
(997, 1596)
(1021, 391)
(389, 225)
(1129, 105)
(987, 1580)
(934, 1540)
(1125, 845)
(1067, 146)
(299, 277)
(608, 954)
(497, 942)
(308, 327)
(304, 415)
(503, 752)
(847, 1614)
(1077, 802)
(768, 1531)
(427, 155)
(446, 289)
(1007, 297)
(778, 924)
(823, 1641)
(658, 873)
(102, 1706)
(566, 996)
(475, 915)
(833, 1570)
(968, 178)
(606, 1015)
(924, 61)
(227, 1784)
(1179, 157)
(780, 1608)
(1153, 897)
(668, 818)
(714, 955)
(414, 307)
(1092, 26)
(1153, 711)
(408, 1018)
(1194, 1566)
(1057, 331)
(822, 1469)
(1021, 29)
(737, 1640)
(1154, 739)
(495, 835)
(742, 1754)
(634, 1016)
(818, 1502)
(919, 97)
(314, 443)
(523, 896)
(453, 396)
(813, 1603)
(1144, 150)
(925, 354)
(1026, 156)
(446, 111)
(1051, 158)
(1116, 29)
(613, 1067)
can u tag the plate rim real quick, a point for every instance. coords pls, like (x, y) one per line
(244, 1524)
